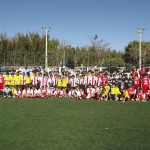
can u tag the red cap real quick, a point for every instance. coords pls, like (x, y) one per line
(143, 66)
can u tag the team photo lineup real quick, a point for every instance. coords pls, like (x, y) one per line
(94, 85)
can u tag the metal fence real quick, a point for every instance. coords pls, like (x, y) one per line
(70, 60)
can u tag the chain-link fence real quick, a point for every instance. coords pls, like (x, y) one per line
(71, 60)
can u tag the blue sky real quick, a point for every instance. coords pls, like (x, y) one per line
(115, 21)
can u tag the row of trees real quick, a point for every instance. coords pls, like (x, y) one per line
(30, 49)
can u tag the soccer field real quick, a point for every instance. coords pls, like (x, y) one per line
(69, 124)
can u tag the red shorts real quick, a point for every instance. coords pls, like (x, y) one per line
(1, 85)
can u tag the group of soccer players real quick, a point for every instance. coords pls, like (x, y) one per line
(92, 85)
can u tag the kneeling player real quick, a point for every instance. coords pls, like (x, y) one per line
(49, 92)
(147, 95)
(140, 96)
(124, 95)
(103, 95)
(63, 93)
(17, 93)
(40, 92)
(25, 93)
(71, 93)
(33, 92)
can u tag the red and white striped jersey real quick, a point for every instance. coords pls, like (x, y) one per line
(92, 80)
(86, 80)
(22, 80)
(50, 81)
(42, 81)
(73, 82)
(55, 80)
(79, 81)
(34, 80)
(69, 81)
(46, 81)
(83, 81)
(98, 81)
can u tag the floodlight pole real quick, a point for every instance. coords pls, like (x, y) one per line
(140, 53)
(47, 29)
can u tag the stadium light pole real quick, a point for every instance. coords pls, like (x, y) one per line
(46, 30)
(140, 31)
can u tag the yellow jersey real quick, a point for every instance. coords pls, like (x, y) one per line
(13, 91)
(118, 91)
(126, 95)
(32, 75)
(27, 80)
(64, 82)
(7, 80)
(107, 88)
(12, 80)
(100, 90)
(104, 94)
(17, 80)
(59, 83)
(113, 91)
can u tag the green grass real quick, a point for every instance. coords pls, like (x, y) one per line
(68, 124)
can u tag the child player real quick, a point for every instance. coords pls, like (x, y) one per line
(17, 93)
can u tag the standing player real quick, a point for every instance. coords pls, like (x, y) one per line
(42, 79)
(12, 80)
(23, 81)
(126, 82)
(59, 82)
(34, 79)
(55, 80)
(50, 81)
(86, 80)
(1, 82)
(104, 80)
(28, 80)
(145, 83)
(17, 80)
(134, 72)
(73, 82)
(98, 80)
(136, 82)
(7, 80)
(143, 71)
(92, 79)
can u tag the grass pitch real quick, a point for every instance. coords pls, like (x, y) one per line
(69, 124)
